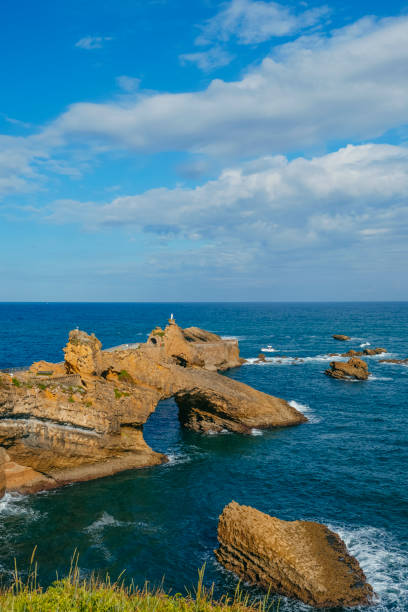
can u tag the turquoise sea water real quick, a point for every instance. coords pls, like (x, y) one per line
(347, 467)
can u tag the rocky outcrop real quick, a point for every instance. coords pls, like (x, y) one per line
(341, 337)
(374, 351)
(353, 368)
(84, 419)
(297, 559)
(396, 361)
(83, 354)
(222, 403)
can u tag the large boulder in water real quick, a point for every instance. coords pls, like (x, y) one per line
(298, 559)
(341, 337)
(353, 368)
(375, 351)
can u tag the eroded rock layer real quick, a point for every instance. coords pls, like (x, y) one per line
(298, 559)
(83, 418)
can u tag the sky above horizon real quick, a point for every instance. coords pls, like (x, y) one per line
(169, 150)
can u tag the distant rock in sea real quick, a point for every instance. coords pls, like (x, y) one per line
(353, 368)
(298, 559)
(341, 337)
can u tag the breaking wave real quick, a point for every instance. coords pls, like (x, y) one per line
(384, 563)
(15, 504)
(306, 410)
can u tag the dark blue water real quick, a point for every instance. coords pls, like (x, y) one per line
(347, 467)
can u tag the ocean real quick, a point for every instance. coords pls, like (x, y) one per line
(347, 467)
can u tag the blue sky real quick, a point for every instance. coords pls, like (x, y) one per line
(171, 150)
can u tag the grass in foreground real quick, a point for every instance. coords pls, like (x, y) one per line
(73, 594)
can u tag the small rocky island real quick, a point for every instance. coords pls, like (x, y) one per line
(83, 418)
(300, 559)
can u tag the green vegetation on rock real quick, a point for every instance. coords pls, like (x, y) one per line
(73, 594)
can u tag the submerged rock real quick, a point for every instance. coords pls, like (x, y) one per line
(353, 368)
(84, 419)
(396, 361)
(341, 337)
(297, 559)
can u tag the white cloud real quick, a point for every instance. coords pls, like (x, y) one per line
(92, 42)
(271, 203)
(255, 21)
(350, 85)
(216, 57)
(127, 83)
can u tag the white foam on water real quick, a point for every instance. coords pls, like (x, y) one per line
(306, 410)
(256, 432)
(384, 378)
(15, 504)
(176, 459)
(277, 361)
(233, 337)
(106, 520)
(383, 561)
(365, 344)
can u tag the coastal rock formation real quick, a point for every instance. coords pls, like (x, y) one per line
(396, 361)
(375, 351)
(353, 368)
(84, 418)
(297, 559)
(223, 403)
(341, 337)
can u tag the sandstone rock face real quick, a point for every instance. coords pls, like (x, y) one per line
(353, 368)
(84, 419)
(83, 354)
(341, 337)
(298, 559)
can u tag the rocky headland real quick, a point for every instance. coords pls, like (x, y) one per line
(298, 559)
(354, 368)
(83, 418)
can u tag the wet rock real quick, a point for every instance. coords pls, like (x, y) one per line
(352, 353)
(341, 337)
(298, 559)
(374, 351)
(353, 368)
(261, 357)
(396, 361)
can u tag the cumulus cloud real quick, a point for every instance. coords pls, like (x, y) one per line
(349, 85)
(285, 205)
(304, 226)
(92, 42)
(255, 21)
